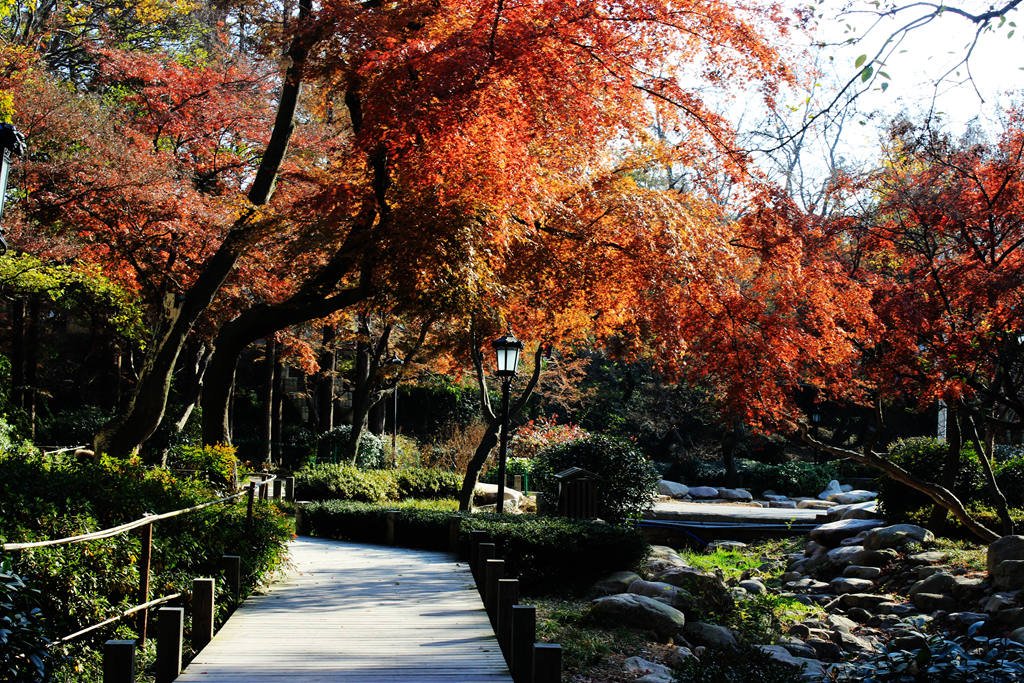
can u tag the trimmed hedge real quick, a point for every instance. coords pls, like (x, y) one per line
(328, 481)
(547, 553)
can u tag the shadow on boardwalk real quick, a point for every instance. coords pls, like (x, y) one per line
(355, 612)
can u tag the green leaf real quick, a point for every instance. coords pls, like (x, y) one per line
(885, 86)
(860, 60)
(884, 75)
(865, 75)
(1010, 34)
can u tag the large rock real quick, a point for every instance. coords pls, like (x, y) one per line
(896, 535)
(706, 587)
(703, 492)
(811, 504)
(1009, 575)
(832, 489)
(931, 602)
(844, 584)
(641, 612)
(735, 494)
(850, 497)
(709, 635)
(940, 582)
(1005, 548)
(662, 557)
(487, 494)
(617, 582)
(844, 554)
(675, 596)
(650, 672)
(876, 558)
(832, 533)
(673, 489)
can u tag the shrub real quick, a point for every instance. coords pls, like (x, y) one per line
(536, 435)
(22, 643)
(73, 426)
(547, 553)
(422, 482)
(745, 664)
(216, 464)
(925, 458)
(326, 481)
(512, 466)
(374, 452)
(1010, 477)
(626, 478)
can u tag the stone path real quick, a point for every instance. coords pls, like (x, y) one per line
(351, 612)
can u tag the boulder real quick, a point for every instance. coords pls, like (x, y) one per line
(832, 489)
(673, 489)
(928, 557)
(703, 492)
(769, 495)
(1017, 635)
(844, 554)
(641, 612)
(866, 601)
(936, 583)
(811, 504)
(726, 545)
(487, 494)
(679, 655)
(850, 497)
(1005, 548)
(1009, 575)
(831, 533)
(753, 586)
(735, 494)
(932, 602)
(650, 672)
(617, 582)
(675, 596)
(843, 584)
(782, 504)
(662, 557)
(706, 587)
(710, 635)
(868, 510)
(860, 572)
(897, 535)
(876, 558)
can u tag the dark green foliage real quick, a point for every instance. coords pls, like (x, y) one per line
(72, 427)
(22, 643)
(547, 553)
(745, 664)
(327, 481)
(793, 478)
(373, 452)
(1010, 477)
(626, 478)
(925, 458)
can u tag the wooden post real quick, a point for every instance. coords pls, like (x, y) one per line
(517, 482)
(202, 612)
(493, 571)
(289, 489)
(252, 496)
(119, 661)
(475, 539)
(264, 488)
(508, 595)
(145, 554)
(485, 551)
(454, 521)
(389, 532)
(170, 629)
(232, 568)
(278, 488)
(300, 520)
(524, 633)
(547, 663)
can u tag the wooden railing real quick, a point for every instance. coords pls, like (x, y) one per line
(119, 655)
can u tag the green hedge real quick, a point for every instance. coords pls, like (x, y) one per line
(326, 481)
(546, 553)
(925, 458)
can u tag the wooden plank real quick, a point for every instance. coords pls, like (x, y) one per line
(353, 612)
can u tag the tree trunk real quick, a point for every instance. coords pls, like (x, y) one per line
(270, 351)
(728, 444)
(19, 311)
(954, 444)
(361, 390)
(476, 463)
(276, 451)
(985, 448)
(325, 391)
(31, 364)
(378, 412)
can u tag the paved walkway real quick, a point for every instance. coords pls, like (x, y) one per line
(352, 612)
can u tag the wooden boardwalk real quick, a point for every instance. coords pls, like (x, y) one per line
(352, 612)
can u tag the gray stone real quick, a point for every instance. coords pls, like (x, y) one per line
(1017, 635)
(842, 584)
(673, 489)
(726, 545)
(851, 497)
(1008, 575)
(832, 488)
(931, 602)
(641, 612)
(866, 601)
(783, 504)
(966, 587)
(867, 510)
(709, 588)
(860, 615)
(909, 642)
(703, 492)
(813, 548)
(617, 582)
(769, 495)
(1012, 617)
(675, 596)
(838, 622)
(753, 586)
(679, 655)
(928, 557)
(807, 584)
(897, 535)
(811, 504)
(967, 618)
(710, 635)
(855, 540)
(662, 557)
(860, 572)
(813, 669)
(652, 672)
(797, 647)
(850, 642)
(1005, 548)
(786, 577)
(936, 583)
(832, 533)
(735, 494)
(487, 494)
(826, 649)
(843, 555)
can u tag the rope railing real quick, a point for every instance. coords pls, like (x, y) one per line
(113, 619)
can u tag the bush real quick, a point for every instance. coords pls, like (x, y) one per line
(217, 464)
(627, 480)
(22, 643)
(745, 664)
(72, 427)
(795, 478)
(374, 453)
(547, 553)
(1010, 477)
(925, 458)
(512, 466)
(327, 481)
(536, 435)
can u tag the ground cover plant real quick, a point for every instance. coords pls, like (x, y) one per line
(325, 481)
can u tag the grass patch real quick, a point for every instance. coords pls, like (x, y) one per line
(965, 554)
(733, 563)
(585, 645)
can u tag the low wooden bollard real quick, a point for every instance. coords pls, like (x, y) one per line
(485, 551)
(119, 661)
(454, 522)
(170, 635)
(264, 489)
(475, 539)
(203, 591)
(289, 489)
(524, 634)
(494, 570)
(231, 565)
(508, 595)
(278, 488)
(547, 663)
(252, 496)
(517, 482)
(389, 523)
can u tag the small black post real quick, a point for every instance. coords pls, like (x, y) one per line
(278, 488)
(203, 591)
(475, 539)
(252, 496)
(289, 489)
(119, 661)
(389, 531)
(508, 595)
(493, 571)
(524, 634)
(170, 629)
(232, 567)
(547, 663)
(454, 521)
(486, 551)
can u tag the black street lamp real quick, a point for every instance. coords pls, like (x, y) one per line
(396, 362)
(12, 143)
(506, 350)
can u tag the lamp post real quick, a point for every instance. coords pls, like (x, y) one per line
(396, 362)
(12, 143)
(506, 350)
